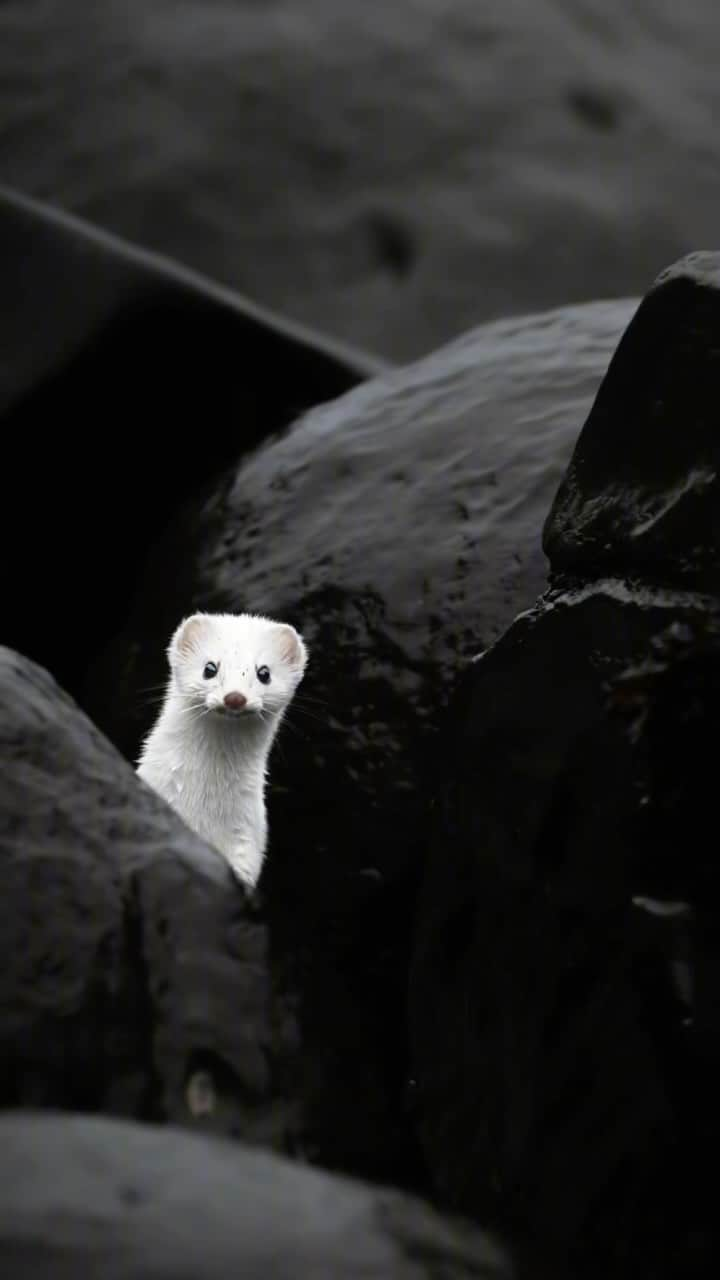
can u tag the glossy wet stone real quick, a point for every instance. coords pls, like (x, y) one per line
(138, 979)
(130, 961)
(398, 529)
(641, 494)
(548, 1024)
(564, 1044)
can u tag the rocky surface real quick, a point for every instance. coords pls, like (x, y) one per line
(398, 528)
(413, 507)
(137, 979)
(669, 703)
(126, 383)
(641, 492)
(560, 1047)
(394, 175)
(133, 977)
(109, 1199)
(563, 1039)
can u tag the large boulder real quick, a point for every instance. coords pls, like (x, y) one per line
(398, 528)
(370, 524)
(115, 1201)
(137, 979)
(393, 174)
(563, 1039)
(641, 495)
(126, 384)
(133, 977)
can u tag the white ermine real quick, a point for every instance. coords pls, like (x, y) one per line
(232, 677)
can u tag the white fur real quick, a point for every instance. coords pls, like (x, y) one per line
(210, 764)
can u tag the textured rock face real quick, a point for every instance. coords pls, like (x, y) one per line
(562, 1026)
(392, 174)
(138, 980)
(564, 1045)
(130, 961)
(642, 492)
(543, 999)
(398, 529)
(670, 703)
(125, 385)
(105, 1198)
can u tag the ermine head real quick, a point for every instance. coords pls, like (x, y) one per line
(236, 665)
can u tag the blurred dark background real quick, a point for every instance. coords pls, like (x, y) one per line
(392, 171)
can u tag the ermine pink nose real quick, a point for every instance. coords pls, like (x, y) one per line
(235, 701)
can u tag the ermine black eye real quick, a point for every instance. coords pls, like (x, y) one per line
(211, 669)
(263, 675)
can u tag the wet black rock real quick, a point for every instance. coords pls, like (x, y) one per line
(126, 383)
(398, 528)
(137, 979)
(642, 492)
(541, 1003)
(560, 1071)
(669, 704)
(105, 1198)
(133, 977)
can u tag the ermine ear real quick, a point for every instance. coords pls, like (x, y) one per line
(289, 646)
(186, 639)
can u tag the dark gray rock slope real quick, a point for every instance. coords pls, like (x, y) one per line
(566, 974)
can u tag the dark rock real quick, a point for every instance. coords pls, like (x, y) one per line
(107, 1199)
(564, 1087)
(670, 703)
(398, 526)
(642, 492)
(547, 1026)
(399, 529)
(133, 974)
(519, 156)
(126, 383)
(137, 979)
